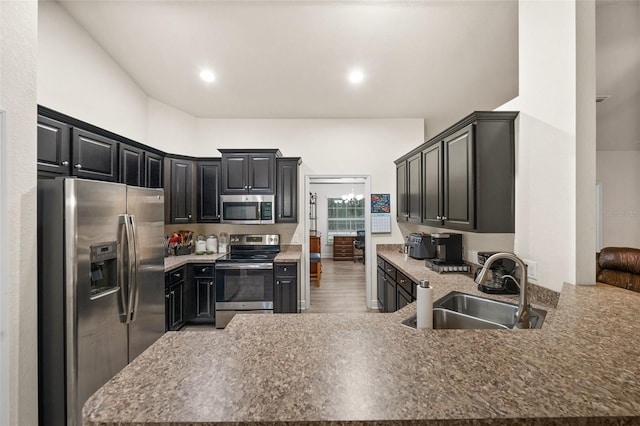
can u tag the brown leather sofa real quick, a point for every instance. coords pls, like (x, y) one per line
(619, 266)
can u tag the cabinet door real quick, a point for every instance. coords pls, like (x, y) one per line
(94, 156)
(262, 174)
(414, 188)
(131, 165)
(234, 174)
(204, 308)
(152, 170)
(401, 192)
(287, 191)
(402, 297)
(285, 295)
(181, 191)
(209, 191)
(381, 289)
(176, 306)
(390, 295)
(432, 162)
(53, 146)
(459, 207)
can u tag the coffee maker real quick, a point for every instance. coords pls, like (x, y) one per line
(502, 281)
(448, 248)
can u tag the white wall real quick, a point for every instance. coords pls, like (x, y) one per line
(619, 172)
(170, 129)
(548, 180)
(18, 287)
(78, 78)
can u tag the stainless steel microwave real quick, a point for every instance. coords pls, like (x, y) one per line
(247, 209)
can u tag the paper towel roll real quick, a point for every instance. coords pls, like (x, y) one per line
(424, 306)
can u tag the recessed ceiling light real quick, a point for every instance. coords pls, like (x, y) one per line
(207, 75)
(356, 76)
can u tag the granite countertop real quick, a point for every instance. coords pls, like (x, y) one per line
(581, 368)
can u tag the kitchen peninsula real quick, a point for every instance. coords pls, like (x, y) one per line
(580, 368)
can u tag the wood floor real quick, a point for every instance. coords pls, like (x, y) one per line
(342, 288)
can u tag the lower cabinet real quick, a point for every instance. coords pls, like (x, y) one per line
(395, 289)
(204, 294)
(381, 286)
(174, 299)
(285, 292)
(402, 297)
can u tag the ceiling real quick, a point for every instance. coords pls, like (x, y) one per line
(290, 59)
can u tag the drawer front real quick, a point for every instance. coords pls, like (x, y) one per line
(289, 269)
(203, 270)
(390, 270)
(380, 262)
(404, 282)
(176, 275)
(343, 250)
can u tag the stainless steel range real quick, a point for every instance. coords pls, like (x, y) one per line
(244, 277)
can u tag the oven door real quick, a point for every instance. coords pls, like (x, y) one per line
(244, 286)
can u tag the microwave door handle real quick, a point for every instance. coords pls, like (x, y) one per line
(122, 276)
(135, 288)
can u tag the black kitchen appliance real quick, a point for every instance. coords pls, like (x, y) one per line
(244, 277)
(448, 254)
(502, 281)
(420, 246)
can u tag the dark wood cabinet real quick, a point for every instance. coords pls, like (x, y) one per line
(153, 170)
(287, 190)
(208, 190)
(409, 189)
(94, 156)
(402, 297)
(342, 248)
(387, 276)
(468, 175)
(245, 172)
(285, 292)
(53, 147)
(381, 285)
(179, 191)
(203, 281)
(174, 299)
(131, 165)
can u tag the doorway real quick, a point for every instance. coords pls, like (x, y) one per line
(345, 188)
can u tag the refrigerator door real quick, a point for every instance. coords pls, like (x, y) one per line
(96, 334)
(145, 206)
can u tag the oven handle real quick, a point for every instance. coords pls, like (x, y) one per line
(232, 266)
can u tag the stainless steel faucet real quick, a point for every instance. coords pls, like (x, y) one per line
(523, 315)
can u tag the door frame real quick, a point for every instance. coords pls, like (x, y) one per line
(4, 267)
(343, 178)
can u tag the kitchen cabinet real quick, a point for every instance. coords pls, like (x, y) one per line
(390, 287)
(249, 171)
(178, 192)
(94, 156)
(402, 297)
(174, 299)
(285, 293)
(287, 190)
(131, 165)
(203, 304)
(342, 247)
(381, 285)
(408, 189)
(153, 170)
(468, 175)
(54, 157)
(208, 190)
(404, 290)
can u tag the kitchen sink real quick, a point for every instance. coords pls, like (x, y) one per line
(445, 319)
(460, 310)
(487, 309)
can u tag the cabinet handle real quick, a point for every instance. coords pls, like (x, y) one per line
(166, 296)
(284, 269)
(278, 282)
(245, 187)
(189, 216)
(210, 283)
(204, 269)
(78, 166)
(65, 163)
(249, 186)
(438, 218)
(444, 218)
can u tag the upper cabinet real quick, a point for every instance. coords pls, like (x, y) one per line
(468, 175)
(153, 170)
(131, 166)
(178, 193)
(94, 156)
(287, 190)
(249, 171)
(208, 190)
(408, 188)
(53, 146)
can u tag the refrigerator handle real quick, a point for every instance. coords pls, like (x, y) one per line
(135, 289)
(122, 277)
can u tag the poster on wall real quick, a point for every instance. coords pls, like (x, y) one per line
(380, 213)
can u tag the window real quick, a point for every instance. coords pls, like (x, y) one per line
(345, 217)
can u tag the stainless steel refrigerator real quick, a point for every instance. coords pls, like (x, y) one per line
(100, 287)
